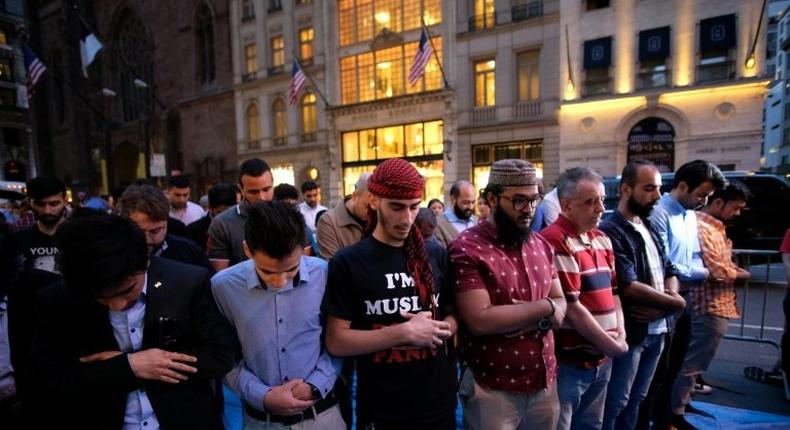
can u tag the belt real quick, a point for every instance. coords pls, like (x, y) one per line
(320, 406)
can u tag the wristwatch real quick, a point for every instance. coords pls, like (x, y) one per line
(315, 392)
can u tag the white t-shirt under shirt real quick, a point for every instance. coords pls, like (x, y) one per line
(658, 326)
(189, 214)
(310, 213)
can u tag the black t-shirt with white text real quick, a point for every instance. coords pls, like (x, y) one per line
(369, 285)
(38, 249)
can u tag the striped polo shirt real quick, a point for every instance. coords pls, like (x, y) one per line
(585, 266)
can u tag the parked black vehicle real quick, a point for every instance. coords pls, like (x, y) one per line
(762, 224)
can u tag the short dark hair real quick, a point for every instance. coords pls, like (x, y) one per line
(274, 228)
(222, 194)
(253, 167)
(45, 186)
(286, 191)
(178, 182)
(734, 191)
(426, 214)
(697, 172)
(309, 186)
(631, 171)
(147, 199)
(98, 251)
(430, 203)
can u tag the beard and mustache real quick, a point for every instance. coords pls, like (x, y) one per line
(640, 210)
(49, 220)
(463, 214)
(510, 233)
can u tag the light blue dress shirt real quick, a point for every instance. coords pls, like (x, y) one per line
(279, 330)
(127, 327)
(677, 227)
(460, 224)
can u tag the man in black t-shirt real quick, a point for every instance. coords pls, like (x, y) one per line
(388, 305)
(37, 242)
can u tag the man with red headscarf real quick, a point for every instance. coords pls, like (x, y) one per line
(387, 306)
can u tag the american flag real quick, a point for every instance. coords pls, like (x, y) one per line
(424, 52)
(35, 68)
(298, 81)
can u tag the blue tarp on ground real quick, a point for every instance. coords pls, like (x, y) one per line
(726, 418)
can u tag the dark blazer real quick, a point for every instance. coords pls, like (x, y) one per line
(631, 264)
(93, 395)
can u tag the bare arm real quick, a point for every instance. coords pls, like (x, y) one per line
(419, 331)
(481, 317)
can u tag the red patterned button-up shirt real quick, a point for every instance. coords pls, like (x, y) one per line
(520, 362)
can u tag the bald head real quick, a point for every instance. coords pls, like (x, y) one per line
(462, 198)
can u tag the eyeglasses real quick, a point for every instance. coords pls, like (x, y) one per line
(519, 203)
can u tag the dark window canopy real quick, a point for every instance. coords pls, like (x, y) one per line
(598, 53)
(717, 34)
(654, 44)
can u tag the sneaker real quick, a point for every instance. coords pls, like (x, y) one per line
(702, 388)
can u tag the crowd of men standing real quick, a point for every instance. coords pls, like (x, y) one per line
(134, 315)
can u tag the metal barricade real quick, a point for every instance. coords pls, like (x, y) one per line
(747, 255)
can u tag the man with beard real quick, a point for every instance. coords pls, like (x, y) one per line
(388, 306)
(311, 204)
(713, 303)
(147, 207)
(180, 207)
(675, 222)
(509, 298)
(647, 286)
(37, 242)
(460, 215)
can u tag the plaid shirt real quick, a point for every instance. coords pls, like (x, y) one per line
(716, 295)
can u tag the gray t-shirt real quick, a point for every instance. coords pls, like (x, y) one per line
(226, 234)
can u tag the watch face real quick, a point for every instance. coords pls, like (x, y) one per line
(544, 324)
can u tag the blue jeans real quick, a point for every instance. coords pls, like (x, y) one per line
(631, 376)
(582, 394)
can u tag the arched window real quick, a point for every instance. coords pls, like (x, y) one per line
(204, 43)
(253, 122)
(309, 119)
(279, 122)
(135, 52)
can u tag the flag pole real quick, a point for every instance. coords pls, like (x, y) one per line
(310, 78)
(433, 48)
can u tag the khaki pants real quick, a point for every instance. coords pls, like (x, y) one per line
(330, 419)
(485, 408)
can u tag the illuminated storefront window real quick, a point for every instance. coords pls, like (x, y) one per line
(420, 143)
(384, 73)
(362, 20)
(485, 155)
